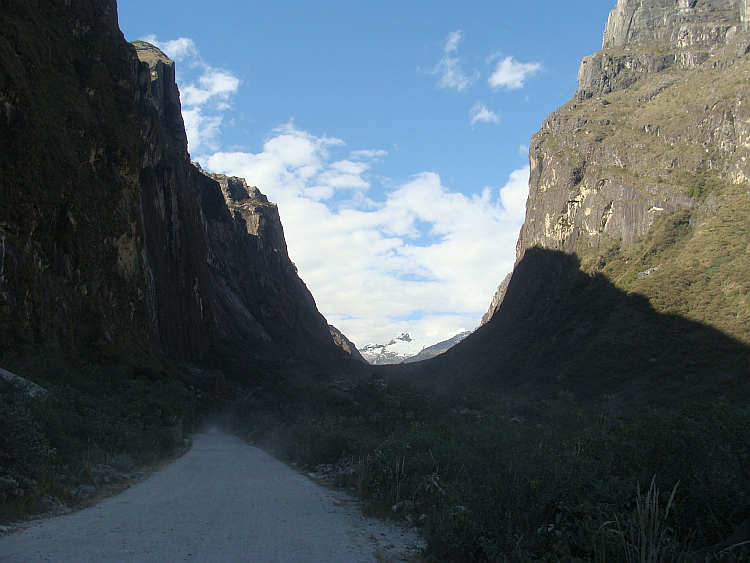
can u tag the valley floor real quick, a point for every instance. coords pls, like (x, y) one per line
(224, 500)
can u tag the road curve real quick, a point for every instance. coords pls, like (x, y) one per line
(222, 501)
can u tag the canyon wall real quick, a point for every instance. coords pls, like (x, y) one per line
(109, 236)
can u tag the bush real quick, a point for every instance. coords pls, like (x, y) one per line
(24, 451)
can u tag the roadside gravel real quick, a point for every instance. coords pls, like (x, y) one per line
(222, 501)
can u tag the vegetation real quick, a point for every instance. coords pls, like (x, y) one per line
(97, 425)
(505, 480)
(691, 263)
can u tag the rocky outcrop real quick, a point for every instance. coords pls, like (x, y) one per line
(497, 299)
(110, 238)
(648, 37)
(642, 130)
(683, 23)
(345, 344)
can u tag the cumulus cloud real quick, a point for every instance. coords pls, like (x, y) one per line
(511, 74)
(418, 258)
(421, 258)
(450, 69)
(202, 130)
(205, 92)
(479, 112)
(213, 85)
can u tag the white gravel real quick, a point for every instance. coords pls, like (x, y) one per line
(222, 501)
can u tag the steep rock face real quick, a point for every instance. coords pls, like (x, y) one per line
(216, 247)
(69, 159)
(497, 299)
(683, 23)
(659, 129)
(618, 155)
(109, 236)
(345, 344)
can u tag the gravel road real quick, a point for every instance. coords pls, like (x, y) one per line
(222, 501)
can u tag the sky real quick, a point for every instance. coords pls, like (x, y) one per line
(392, 134)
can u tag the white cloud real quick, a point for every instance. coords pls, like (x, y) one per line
(176, 49)
(450, 69)
(454, 38)
(202, 130)
(214, 85)
(511, 74)
(421, 258)
(479, 112)
(205, 92)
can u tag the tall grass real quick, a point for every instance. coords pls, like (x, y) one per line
(643, 536)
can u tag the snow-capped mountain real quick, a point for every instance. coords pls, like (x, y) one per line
(404, 346)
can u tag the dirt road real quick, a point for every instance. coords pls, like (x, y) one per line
(222, 501)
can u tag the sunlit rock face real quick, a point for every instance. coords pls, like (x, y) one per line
(345, 344)
(109, 236)
(497, 299)
(657, 102)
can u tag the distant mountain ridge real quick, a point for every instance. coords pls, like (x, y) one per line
(403, 348)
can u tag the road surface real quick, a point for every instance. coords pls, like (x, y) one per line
(222, 501)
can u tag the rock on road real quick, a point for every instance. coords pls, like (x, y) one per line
(222, 501)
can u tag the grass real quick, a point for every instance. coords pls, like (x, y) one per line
(644, 536)
(499, 479)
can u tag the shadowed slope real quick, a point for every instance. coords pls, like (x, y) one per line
(560, 330)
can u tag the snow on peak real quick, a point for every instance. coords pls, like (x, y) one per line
(402, 346)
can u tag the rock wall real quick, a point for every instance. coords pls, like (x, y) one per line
(109, 236)
(683, 23)
(607, 163)
(497, 299)
(644, 174)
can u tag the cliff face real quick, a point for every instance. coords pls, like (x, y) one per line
(641, 179)
(664, 96)
(659, 128)
(109, 236)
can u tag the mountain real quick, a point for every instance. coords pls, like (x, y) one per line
(432, 351)
(497, 299)
(110, 238)
(405, 348)
(345, 344)
(632, 263)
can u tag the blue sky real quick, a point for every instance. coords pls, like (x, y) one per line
(393, 135)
